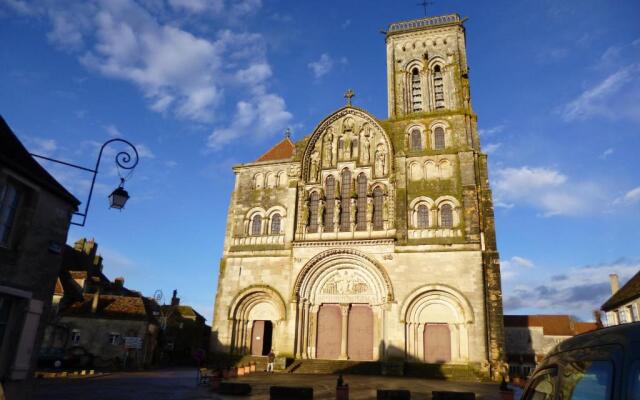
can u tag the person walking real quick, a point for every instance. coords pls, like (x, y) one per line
(271, 358)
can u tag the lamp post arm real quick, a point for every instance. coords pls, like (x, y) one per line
(123, 160)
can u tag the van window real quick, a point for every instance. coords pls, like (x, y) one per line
(634, 381)
(542, 386)
(587, 380)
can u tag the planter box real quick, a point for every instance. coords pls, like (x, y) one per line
(290, 393)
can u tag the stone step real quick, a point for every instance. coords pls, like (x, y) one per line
(260, 361)
(334, 367)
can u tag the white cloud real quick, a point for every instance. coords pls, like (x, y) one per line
(491, 131)
(198, 6)
(321, 67)
(113, 131)
(546, 189)
(579, 289)
(605, 154)
(492, 147)
(144, 151)
(509, 269)
(42, 146)
(631, 197)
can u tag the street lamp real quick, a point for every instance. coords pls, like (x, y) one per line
(118, 198)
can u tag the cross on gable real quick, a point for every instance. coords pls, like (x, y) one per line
(424, 4)
(348, 95)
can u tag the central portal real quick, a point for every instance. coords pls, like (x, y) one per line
(333, 341)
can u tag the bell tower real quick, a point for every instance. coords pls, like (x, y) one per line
(427, 66)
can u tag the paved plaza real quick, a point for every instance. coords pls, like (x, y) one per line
(180, 384)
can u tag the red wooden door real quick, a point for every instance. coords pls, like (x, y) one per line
(329, 332)
(437, 343)
(257, 338)
(360, 338)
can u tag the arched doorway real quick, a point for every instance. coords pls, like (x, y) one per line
(261, 335)
(329, 332)
(437, 343)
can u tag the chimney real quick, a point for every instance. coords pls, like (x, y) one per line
(119, 281)
(175, 301)
(615, 284)
(598, 317)
(94, 303)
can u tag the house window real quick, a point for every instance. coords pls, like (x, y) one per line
(378, 204)
(438, 87)
(446, 216)
(275, 224)
(330, 205)
(622, 315)
(362, 203)
(9, 200)
(313, 212)
(423, 216)
(634, 313)
(438, 138)
(114, 339)
(416, 139)
(75, 337)
(345, 224)
(416, 92)
(256, 225)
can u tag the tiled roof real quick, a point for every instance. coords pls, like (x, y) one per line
(284, 150)
(120, 307)
(78, 274)
(16, 157)
(554, 325)
(630, 291)
(583, 327)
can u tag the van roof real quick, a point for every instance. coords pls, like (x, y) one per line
(619, 334)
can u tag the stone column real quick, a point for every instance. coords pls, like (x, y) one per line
(344, 310)
(421, 349)
(248, 335)
(305, 329)
(310, 343)
(377, 331)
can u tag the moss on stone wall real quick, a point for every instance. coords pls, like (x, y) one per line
(257, 247)
(433, 189)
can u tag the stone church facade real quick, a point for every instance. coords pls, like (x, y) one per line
(372, 239)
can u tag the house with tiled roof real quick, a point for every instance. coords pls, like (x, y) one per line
(528, 338)
(624, 304)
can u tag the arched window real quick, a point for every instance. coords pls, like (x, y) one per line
(416, 91)
(330, 192)
(438, 138)
(416, 139)
(362, 203)
(345, 191)
(275, 224)
(378, 204)
(313, 212)
(438, 87)
(423, 216)
(256, 225)
(446, 216)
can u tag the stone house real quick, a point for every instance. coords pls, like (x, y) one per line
(372, 239)
(35, 212)
(115, 326)
(624, 304)
(528, 338)
(184, 331)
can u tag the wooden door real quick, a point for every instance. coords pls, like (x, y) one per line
(360, 337)
(329, 332)
(257, 338)
(437, 343)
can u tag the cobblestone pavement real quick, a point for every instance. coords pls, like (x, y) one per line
(180, 384)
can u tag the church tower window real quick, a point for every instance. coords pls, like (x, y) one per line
(416, 91)
(438, 138)
(330, 192)
(256, 225)
(275, 224)
(438, 87)
(423, 216)
(446, 216)
(345, 223)
(378, 204)
(416, 139)
(362, 203)
(313, 212)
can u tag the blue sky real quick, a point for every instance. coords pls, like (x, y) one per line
(200, 85)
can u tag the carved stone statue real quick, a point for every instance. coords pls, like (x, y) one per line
(369, 209)
(328, 148)
(305, 214)
(381, 161)
(347, 124)
(315, 167)
(336, 213)
(341, 146)
(346, 148)
(353, 210)
(366, 149)
(385, 210)
(354, 147)
(321, 207)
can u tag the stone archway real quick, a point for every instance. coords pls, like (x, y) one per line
(256, 314)
(342, 283)
(437, 320)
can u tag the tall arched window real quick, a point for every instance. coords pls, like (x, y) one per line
(416, 91)
(438, 138)
(423, 216)
(416, 139)
(446, 216)
(345, 191)
(378, 204)
(256, 225)
(361, 219)
(313, 212)
(330, 192)
(438, 87)
(275, 224)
